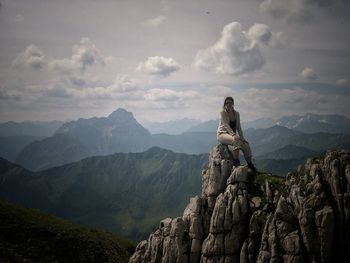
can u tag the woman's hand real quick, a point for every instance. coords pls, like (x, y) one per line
(236, 137)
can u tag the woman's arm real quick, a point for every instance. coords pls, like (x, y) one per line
(238, 125)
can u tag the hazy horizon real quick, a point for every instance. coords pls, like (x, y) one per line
(166, 60)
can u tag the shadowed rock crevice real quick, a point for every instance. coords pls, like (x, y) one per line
(245, 218)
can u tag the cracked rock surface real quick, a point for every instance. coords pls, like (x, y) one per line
(304, 217)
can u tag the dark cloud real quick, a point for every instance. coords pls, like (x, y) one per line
(303, 11)
(59, 91)
(84, 54)
(5, 94)
(77, 81)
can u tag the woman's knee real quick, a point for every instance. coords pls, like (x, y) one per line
(225, 139)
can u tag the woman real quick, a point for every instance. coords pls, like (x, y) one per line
(230, 133)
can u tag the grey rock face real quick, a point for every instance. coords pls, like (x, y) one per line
(306, 218)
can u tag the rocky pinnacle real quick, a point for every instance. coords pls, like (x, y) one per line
(239, 218)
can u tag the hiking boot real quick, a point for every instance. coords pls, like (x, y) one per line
(236, 162)
(252, 167)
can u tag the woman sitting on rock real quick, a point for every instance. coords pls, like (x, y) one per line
(230, 133)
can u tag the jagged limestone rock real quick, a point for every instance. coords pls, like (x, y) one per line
(306, 220)
(140, 251)
(240, 174)
(219, 169)
(194, 218)
(228, 222)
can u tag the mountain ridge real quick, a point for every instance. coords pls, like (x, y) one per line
(120, 132)
(29, 128)
(173, 127)
(110, 191)
(308, 123)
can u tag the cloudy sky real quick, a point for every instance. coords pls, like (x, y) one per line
(167, 59)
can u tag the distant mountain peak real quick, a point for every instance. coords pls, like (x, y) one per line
(121, 115)
(277, 127)
(311, 123)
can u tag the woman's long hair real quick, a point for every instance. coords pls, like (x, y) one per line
(228, 98)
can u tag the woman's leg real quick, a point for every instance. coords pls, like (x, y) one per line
(248, 155)
(246, 151)
(235, 153)
(230, 140)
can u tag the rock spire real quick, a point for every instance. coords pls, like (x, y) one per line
(241, 218)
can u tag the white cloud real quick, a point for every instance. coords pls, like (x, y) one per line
(255, 103)
(154, 22)
(278, 40)
(84, 54)
(123, 83)
(67, 78)
(237, 52)
(157, 98)
(342, 82)
(160, 66)
(121, 87)
(309, 73)
(161, 95)
(64, 66)
(260, 32)
(157, 94)
(31, 57)
(263, 34)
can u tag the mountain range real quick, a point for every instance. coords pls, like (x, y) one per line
(171, 127)
(104, 135)
(11, 146)
(313, 123)
(124, 193)
(106, 172)
(29, 128)
(308, 123)
(121, 132)
(289, 152)
(270, 139)
(14, 136)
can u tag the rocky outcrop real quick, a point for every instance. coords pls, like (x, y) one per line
(245, 218)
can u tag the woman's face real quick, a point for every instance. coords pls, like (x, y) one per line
(229, 105)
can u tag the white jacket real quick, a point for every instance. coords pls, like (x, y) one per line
(224, 124)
